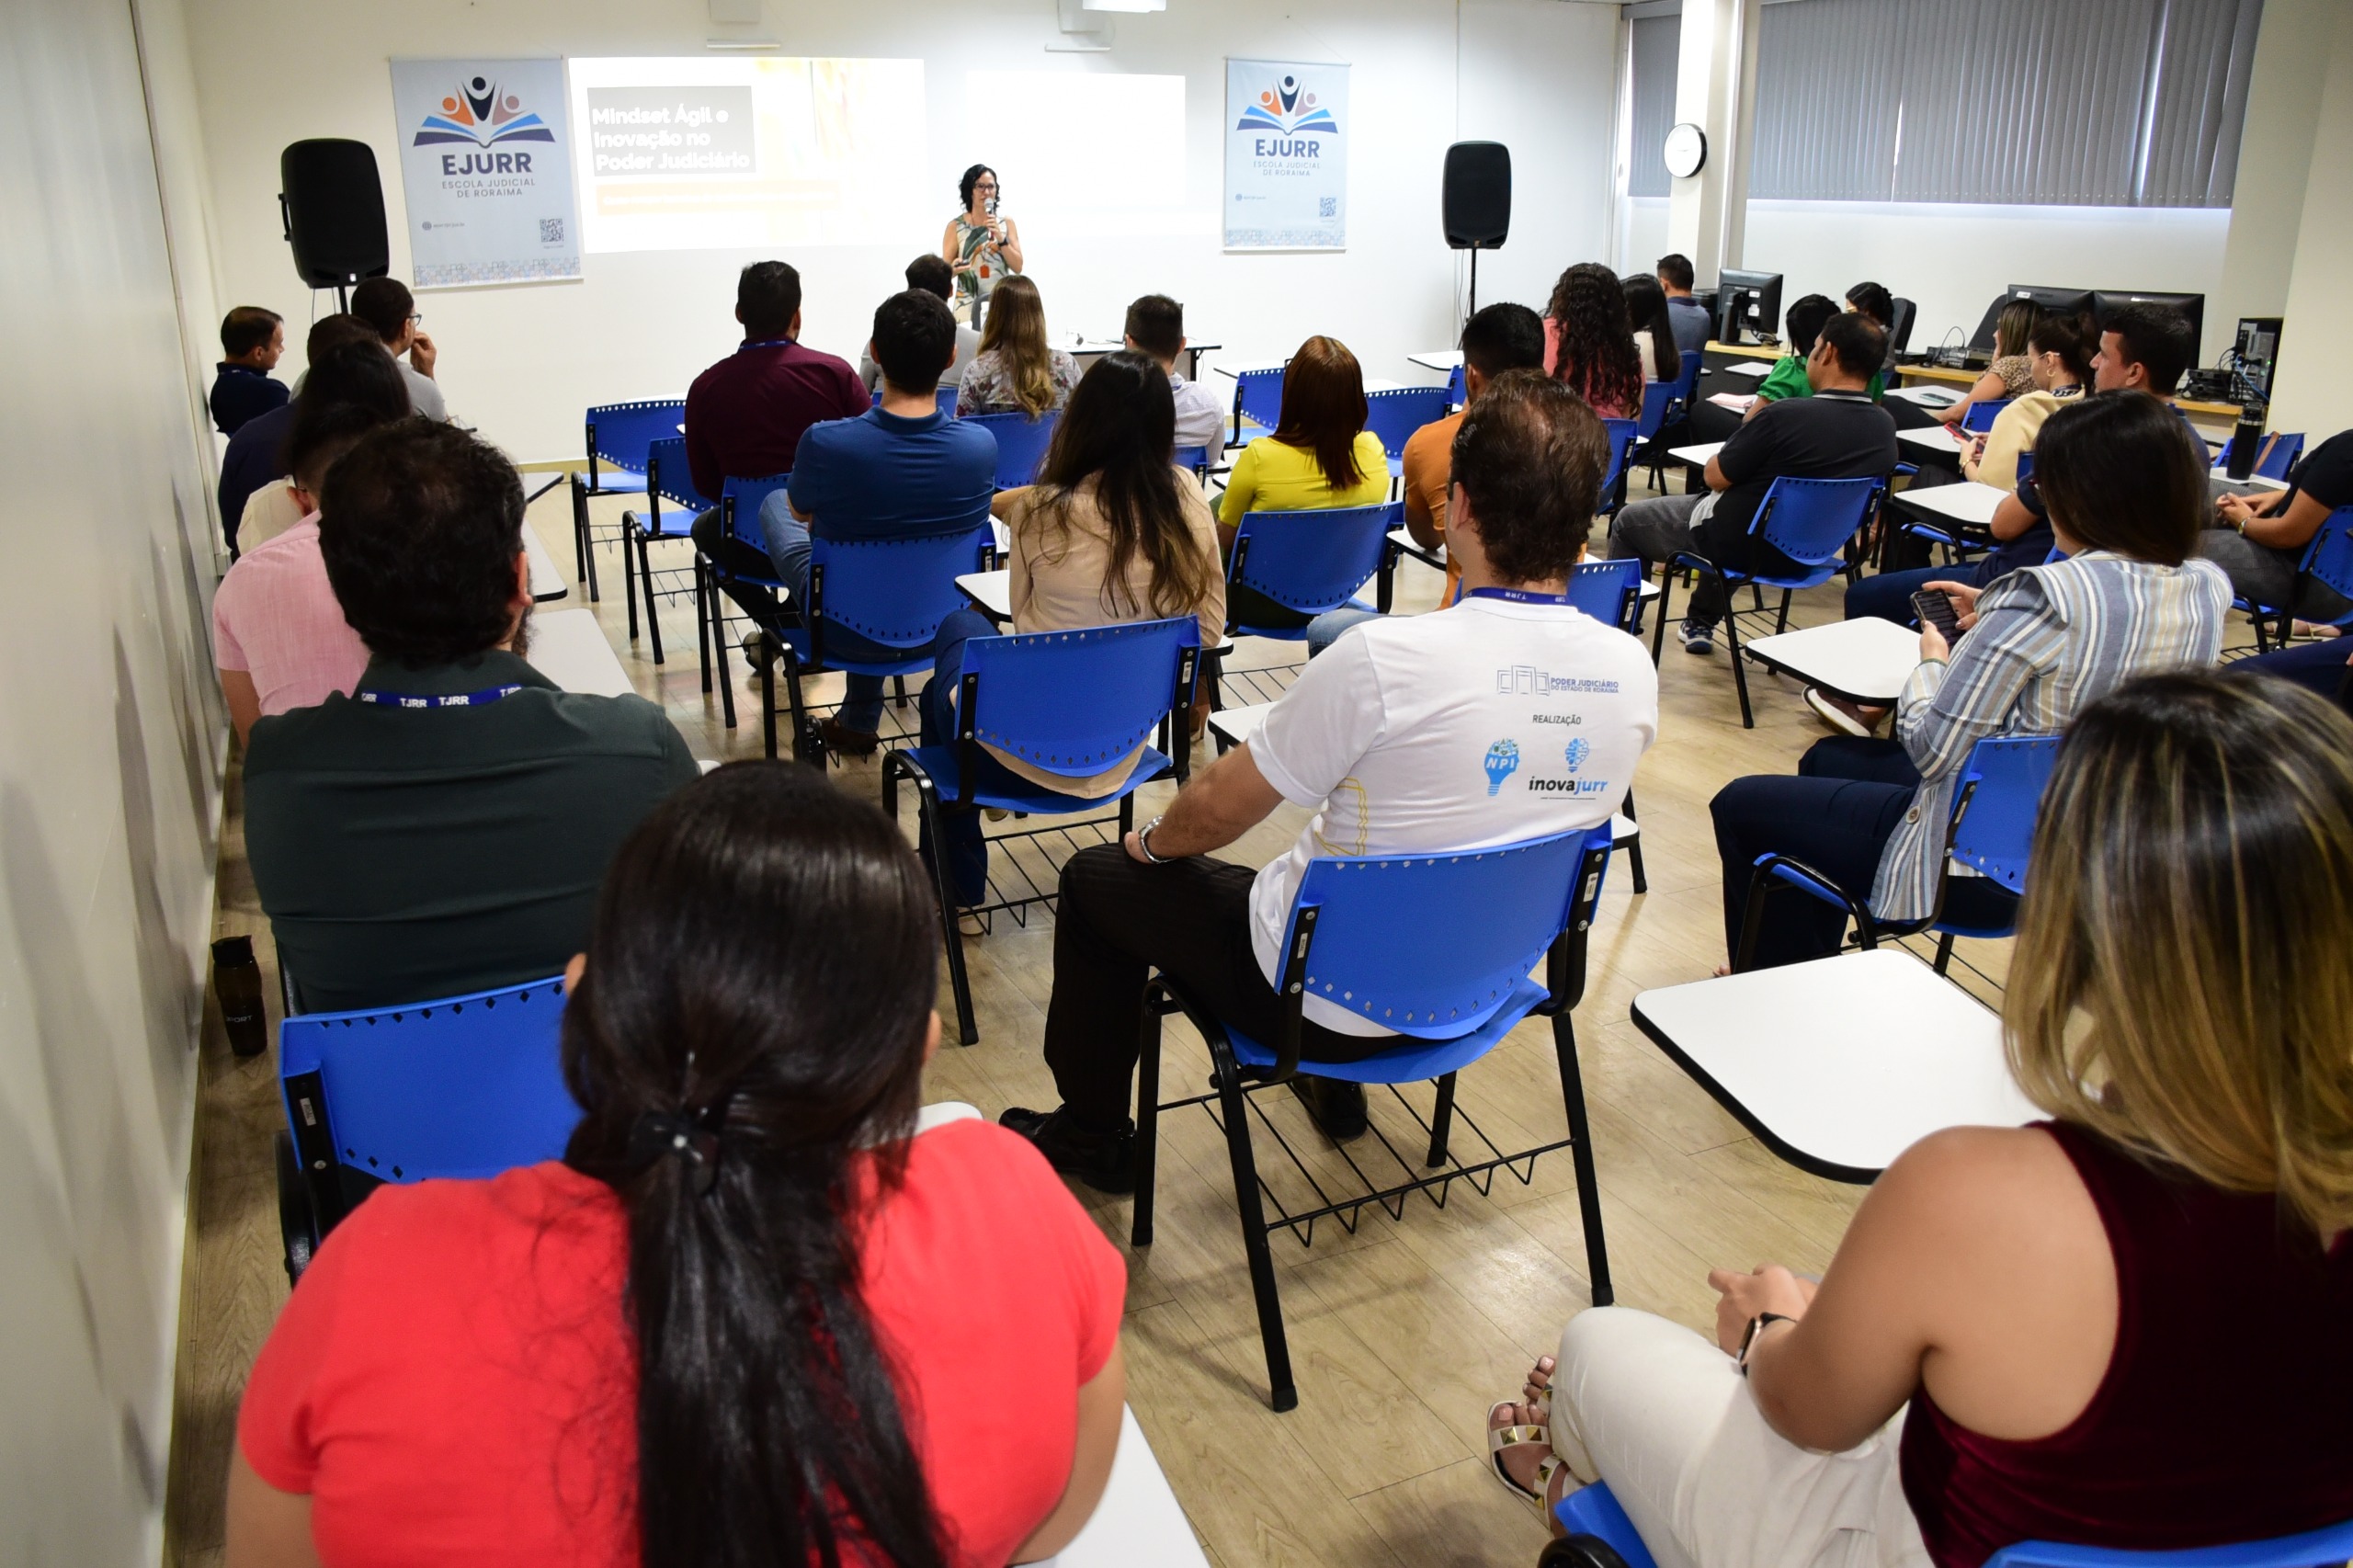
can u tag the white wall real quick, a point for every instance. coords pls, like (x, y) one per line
(112, 743)
(2291, 56)
(2317, 338)
(522, 362)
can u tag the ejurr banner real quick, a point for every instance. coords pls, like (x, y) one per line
(1287, 130)
(486, 168)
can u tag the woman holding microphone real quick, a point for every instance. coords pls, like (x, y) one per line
(981, 246)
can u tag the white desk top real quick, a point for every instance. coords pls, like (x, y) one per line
(1442, 360)
(1864, 660)
(546, 583)
(1934, 439)
(569, 648)
(1754, 369)
(1697, 456)
(1232, 368)
(1139, 1523)
(1929, 396)
(1840, 1064)
(1969, 502)
(992, 591)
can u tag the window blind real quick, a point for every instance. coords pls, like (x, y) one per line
(1657, 41)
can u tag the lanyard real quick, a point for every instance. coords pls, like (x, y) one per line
(1513, 595)
(453, 700)
(766, 343)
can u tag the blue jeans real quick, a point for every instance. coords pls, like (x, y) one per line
(967, 849)
(790, 548)
(1325, 629)
(2319, 666)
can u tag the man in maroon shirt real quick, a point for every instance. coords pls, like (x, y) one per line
(744, 414)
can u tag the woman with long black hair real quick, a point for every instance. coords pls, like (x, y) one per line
(751, 1317)
(1589, 341)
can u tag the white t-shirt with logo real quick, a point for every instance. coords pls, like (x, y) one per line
(1487, 724)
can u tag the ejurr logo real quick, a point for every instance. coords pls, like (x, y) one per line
(1289, 110)
(482, 114)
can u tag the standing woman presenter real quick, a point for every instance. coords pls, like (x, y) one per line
(981, 246)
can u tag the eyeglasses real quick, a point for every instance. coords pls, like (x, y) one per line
(984, 184)
(417, 318)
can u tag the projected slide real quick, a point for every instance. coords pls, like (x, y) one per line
(699, 154)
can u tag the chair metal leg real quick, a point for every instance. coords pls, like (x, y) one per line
(579, 529)
(1441, 1121)
(1597, 1251)
(1634, 850)
(768, 703)
(702, 625)
(927, 804)
(1233, 1104)
(1780, 623)
(1385, 585)
(718, 607)
(898, 691)
(1739, 672)
(806, 746)
(1666, 592)
(1147, 1149)
(645, 576)
(629, 579)
(1944, 950)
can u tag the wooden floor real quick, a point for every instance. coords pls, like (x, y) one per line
(1402, 1334)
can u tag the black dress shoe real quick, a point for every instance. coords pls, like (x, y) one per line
(839, 737)
(1103, 1160)
(1336, 1105)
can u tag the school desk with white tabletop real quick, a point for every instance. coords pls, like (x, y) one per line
(1865, 660)
(569, 648)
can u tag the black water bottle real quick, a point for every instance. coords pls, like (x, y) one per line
(237, 979)
(2246, 443)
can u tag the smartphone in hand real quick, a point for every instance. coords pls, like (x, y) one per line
(1935, 609)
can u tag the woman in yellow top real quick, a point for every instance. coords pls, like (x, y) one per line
(1319, 457)
(2059, 358)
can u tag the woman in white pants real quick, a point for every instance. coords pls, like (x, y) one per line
(2122, 1327)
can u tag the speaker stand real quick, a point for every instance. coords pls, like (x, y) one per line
(1474, 285)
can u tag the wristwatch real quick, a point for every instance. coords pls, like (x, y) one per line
(1144, 841)
(1748, 1341)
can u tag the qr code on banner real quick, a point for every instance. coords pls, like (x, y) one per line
(1328, 207)
(550, 230)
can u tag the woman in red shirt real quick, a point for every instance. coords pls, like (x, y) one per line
(749, 1318)
(1589, 341)
(2123, 1328)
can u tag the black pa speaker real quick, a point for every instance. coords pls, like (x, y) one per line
(332, 206)
(1478, 195)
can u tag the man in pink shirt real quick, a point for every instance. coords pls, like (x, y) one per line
(279, 637)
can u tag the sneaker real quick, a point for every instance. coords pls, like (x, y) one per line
(1336, 1105)
(1844, 717)
(1699, 636)
(838, 737)
(1103, 1160)
(760, 649)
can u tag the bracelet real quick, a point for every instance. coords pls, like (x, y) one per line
(1756, 1326)
(1144, 841)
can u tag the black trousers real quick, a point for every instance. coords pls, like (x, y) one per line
(1836, 817)
(1117, 920)
(745, 560)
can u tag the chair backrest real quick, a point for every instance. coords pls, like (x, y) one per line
(1810, 520)
(2026, 466)
(464, 1087)
(2001, 790)
(2281, 450)
(2329, 558)
(946, 395)
(1605, 590)
(1687, 385)
(1312, 560)
(893, 591)
(1979, 418)
(1656, 398)
(1624, 434)
(1195, 459)
(1899, 330)
(1258, 397)
(1458, 387)
(619, 433)
(1432, 945)
(1021, 444)
(1075, 702)
(1395, 414)
(668, 478)
(2324, 1547)
(739, 511)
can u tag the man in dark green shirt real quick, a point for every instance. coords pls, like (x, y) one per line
(443, 829)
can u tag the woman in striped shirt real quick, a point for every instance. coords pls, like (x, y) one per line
(2127, 496)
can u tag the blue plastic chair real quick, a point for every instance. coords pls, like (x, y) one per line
(463, 1087)
(739, 518)
(1070, 703)
(1979, 418)
(1436, 947)
(1625, 436)
(667, 477)
(1990, 831)
(2279, 453)
(1809, 520)
(1395, 414)
(1309, 561)
(1021, 444)
(1608, 591)
(619, 435)
(894, 592)
(1591, 1515)
(1678, 408)
(1195, 459)
(945, 394)
(1458, 388)
(2328, 560)
(1258, 404)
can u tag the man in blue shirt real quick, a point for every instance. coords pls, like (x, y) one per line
(1685, 315)
(902, 469)
(252, 340)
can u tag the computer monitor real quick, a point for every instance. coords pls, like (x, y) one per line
(1746, 300)
(2054, 301)
(2108, 301)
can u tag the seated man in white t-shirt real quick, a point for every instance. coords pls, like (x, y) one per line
(1397, 739)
